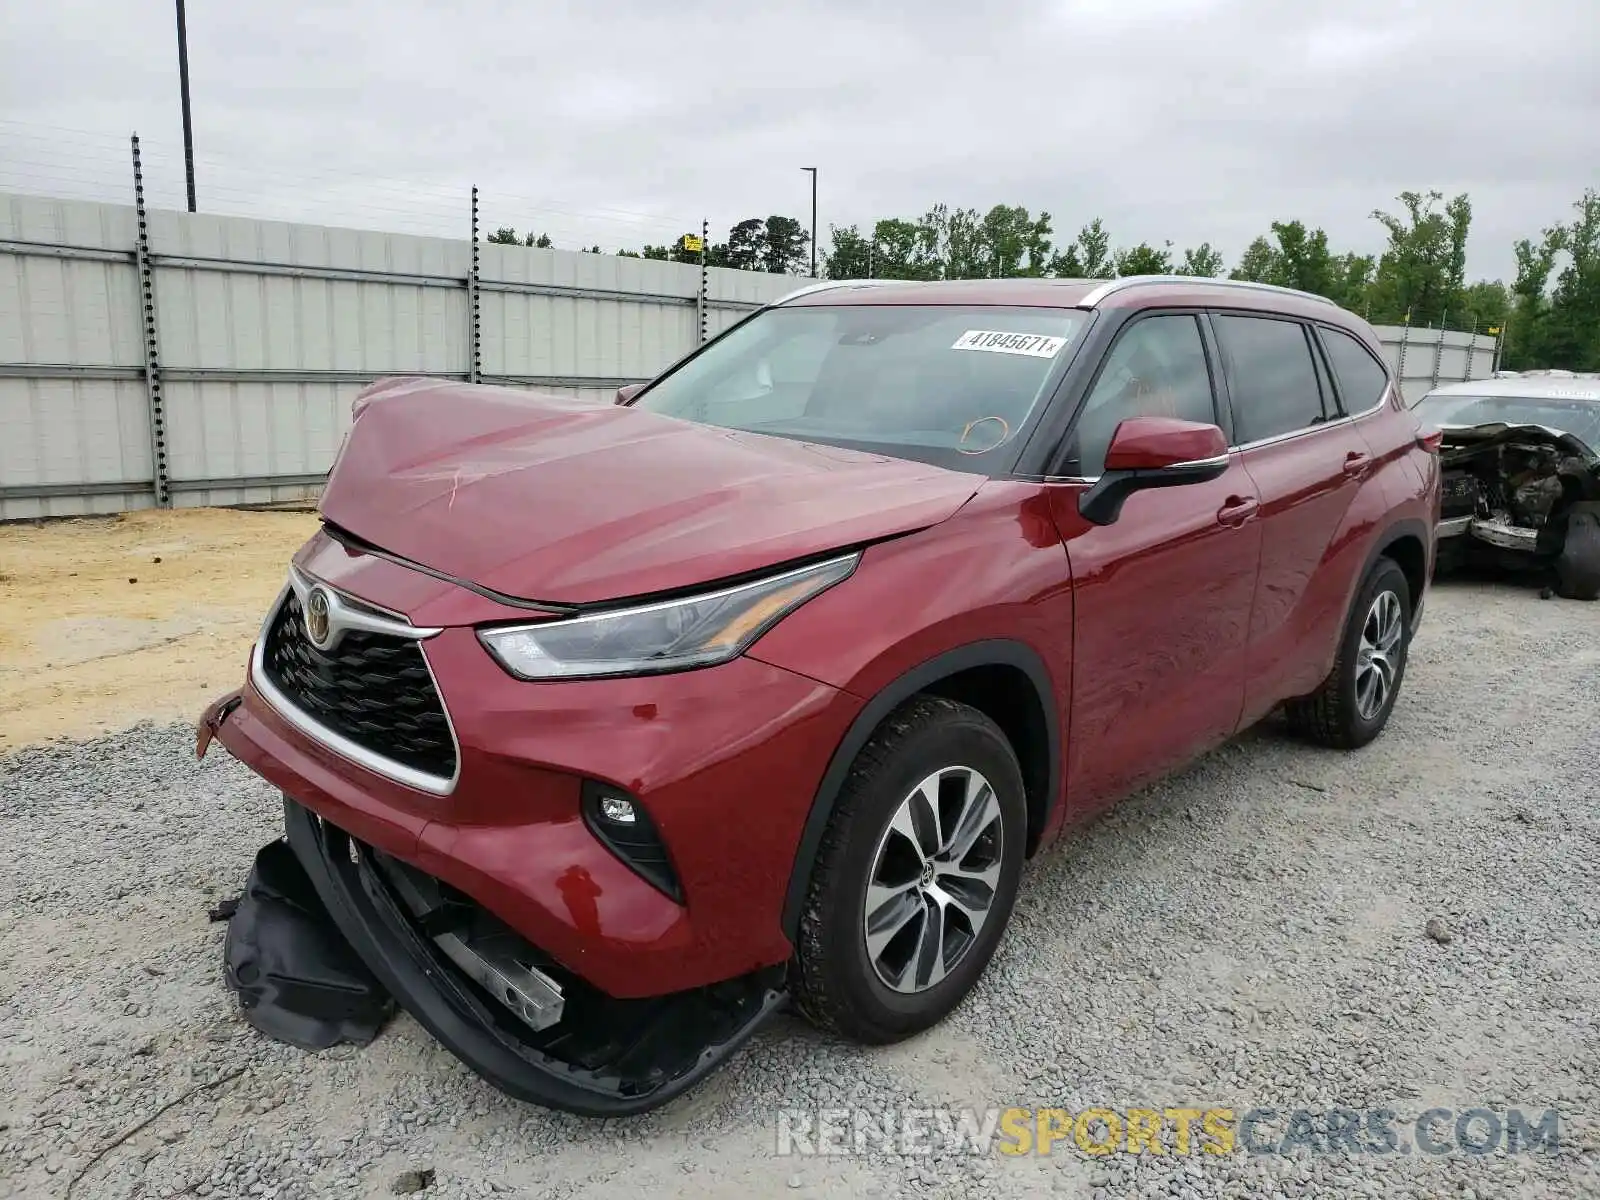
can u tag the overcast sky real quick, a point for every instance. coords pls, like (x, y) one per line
(625, 121)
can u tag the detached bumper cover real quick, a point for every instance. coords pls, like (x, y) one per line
(296, 977)
(605, 1058)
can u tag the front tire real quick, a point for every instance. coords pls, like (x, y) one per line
(916, 875)
(1578, 566)
(1450, 556)
(1353, 704)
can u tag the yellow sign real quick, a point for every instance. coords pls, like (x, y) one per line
(692, 242)
(1494, 329)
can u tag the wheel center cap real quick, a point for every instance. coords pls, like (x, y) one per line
(927, 874)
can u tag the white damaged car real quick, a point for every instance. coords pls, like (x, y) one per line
(1521, 485)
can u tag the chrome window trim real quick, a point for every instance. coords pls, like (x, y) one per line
(313, 729)
(1239, 448)
(1216, 460)
(1390, 388)
(1348, 419)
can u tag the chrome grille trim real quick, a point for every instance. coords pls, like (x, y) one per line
(298, 583)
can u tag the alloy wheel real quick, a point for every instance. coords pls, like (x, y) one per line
(1377, 658)
(933, 879)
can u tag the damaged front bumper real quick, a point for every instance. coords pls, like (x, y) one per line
(1501, 534)
(475, 986)
(1505, 536)
(332, 932)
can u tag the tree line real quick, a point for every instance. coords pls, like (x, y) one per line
(778, 245)
(1548, 315)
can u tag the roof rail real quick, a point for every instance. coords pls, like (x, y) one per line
(1112, 286)
(821, 285)
(826, 285)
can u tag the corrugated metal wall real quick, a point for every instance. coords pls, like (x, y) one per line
(267, 330)
(264, 332)
(1425, 358)
(73, 407)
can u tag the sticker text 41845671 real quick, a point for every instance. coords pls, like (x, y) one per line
(1035, 345)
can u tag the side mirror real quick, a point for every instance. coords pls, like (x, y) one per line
(628, 391)
(1150, 452)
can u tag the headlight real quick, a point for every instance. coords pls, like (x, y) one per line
(669, 636)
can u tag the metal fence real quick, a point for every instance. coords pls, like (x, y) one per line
(1425, 358)
(151, 357)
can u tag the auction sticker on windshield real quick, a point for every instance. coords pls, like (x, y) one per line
(995, 341)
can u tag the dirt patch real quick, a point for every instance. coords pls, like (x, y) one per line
(108, 621)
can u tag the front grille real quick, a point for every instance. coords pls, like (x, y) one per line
(1458, 495)
(372, 688)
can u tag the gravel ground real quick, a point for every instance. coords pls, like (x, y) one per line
(1251, 933)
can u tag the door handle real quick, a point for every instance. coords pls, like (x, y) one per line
(1356, 463)
(1236, 510)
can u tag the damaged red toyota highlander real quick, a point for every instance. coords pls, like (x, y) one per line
(604, 730)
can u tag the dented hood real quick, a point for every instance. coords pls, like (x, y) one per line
(568, 501)
(1474, 437)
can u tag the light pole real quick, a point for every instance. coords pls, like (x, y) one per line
(813, 171)
(183, 87)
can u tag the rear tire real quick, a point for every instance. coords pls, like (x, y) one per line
(889, 942)
(1354, 702)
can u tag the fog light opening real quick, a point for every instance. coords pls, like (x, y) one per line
(624, 826)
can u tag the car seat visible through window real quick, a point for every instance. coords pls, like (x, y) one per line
(1158, 370)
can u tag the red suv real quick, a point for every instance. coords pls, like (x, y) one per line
(604, 730)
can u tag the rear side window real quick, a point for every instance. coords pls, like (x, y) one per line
(1362, 378)
(1157, 368)
(1272, 380)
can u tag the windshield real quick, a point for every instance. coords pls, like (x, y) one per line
(1578, 414)
(952, 386)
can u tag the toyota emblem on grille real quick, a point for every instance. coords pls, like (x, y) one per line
(317, 624)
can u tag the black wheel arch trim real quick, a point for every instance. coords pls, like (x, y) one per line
(989, 653)
(1405, 527)
(1392, 533)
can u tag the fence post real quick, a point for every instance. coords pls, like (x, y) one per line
(1499, 344)
(1438, 348)
(161, 478)
(1405, 340)
(701, 301)
(1472, 348)
(474, 310)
